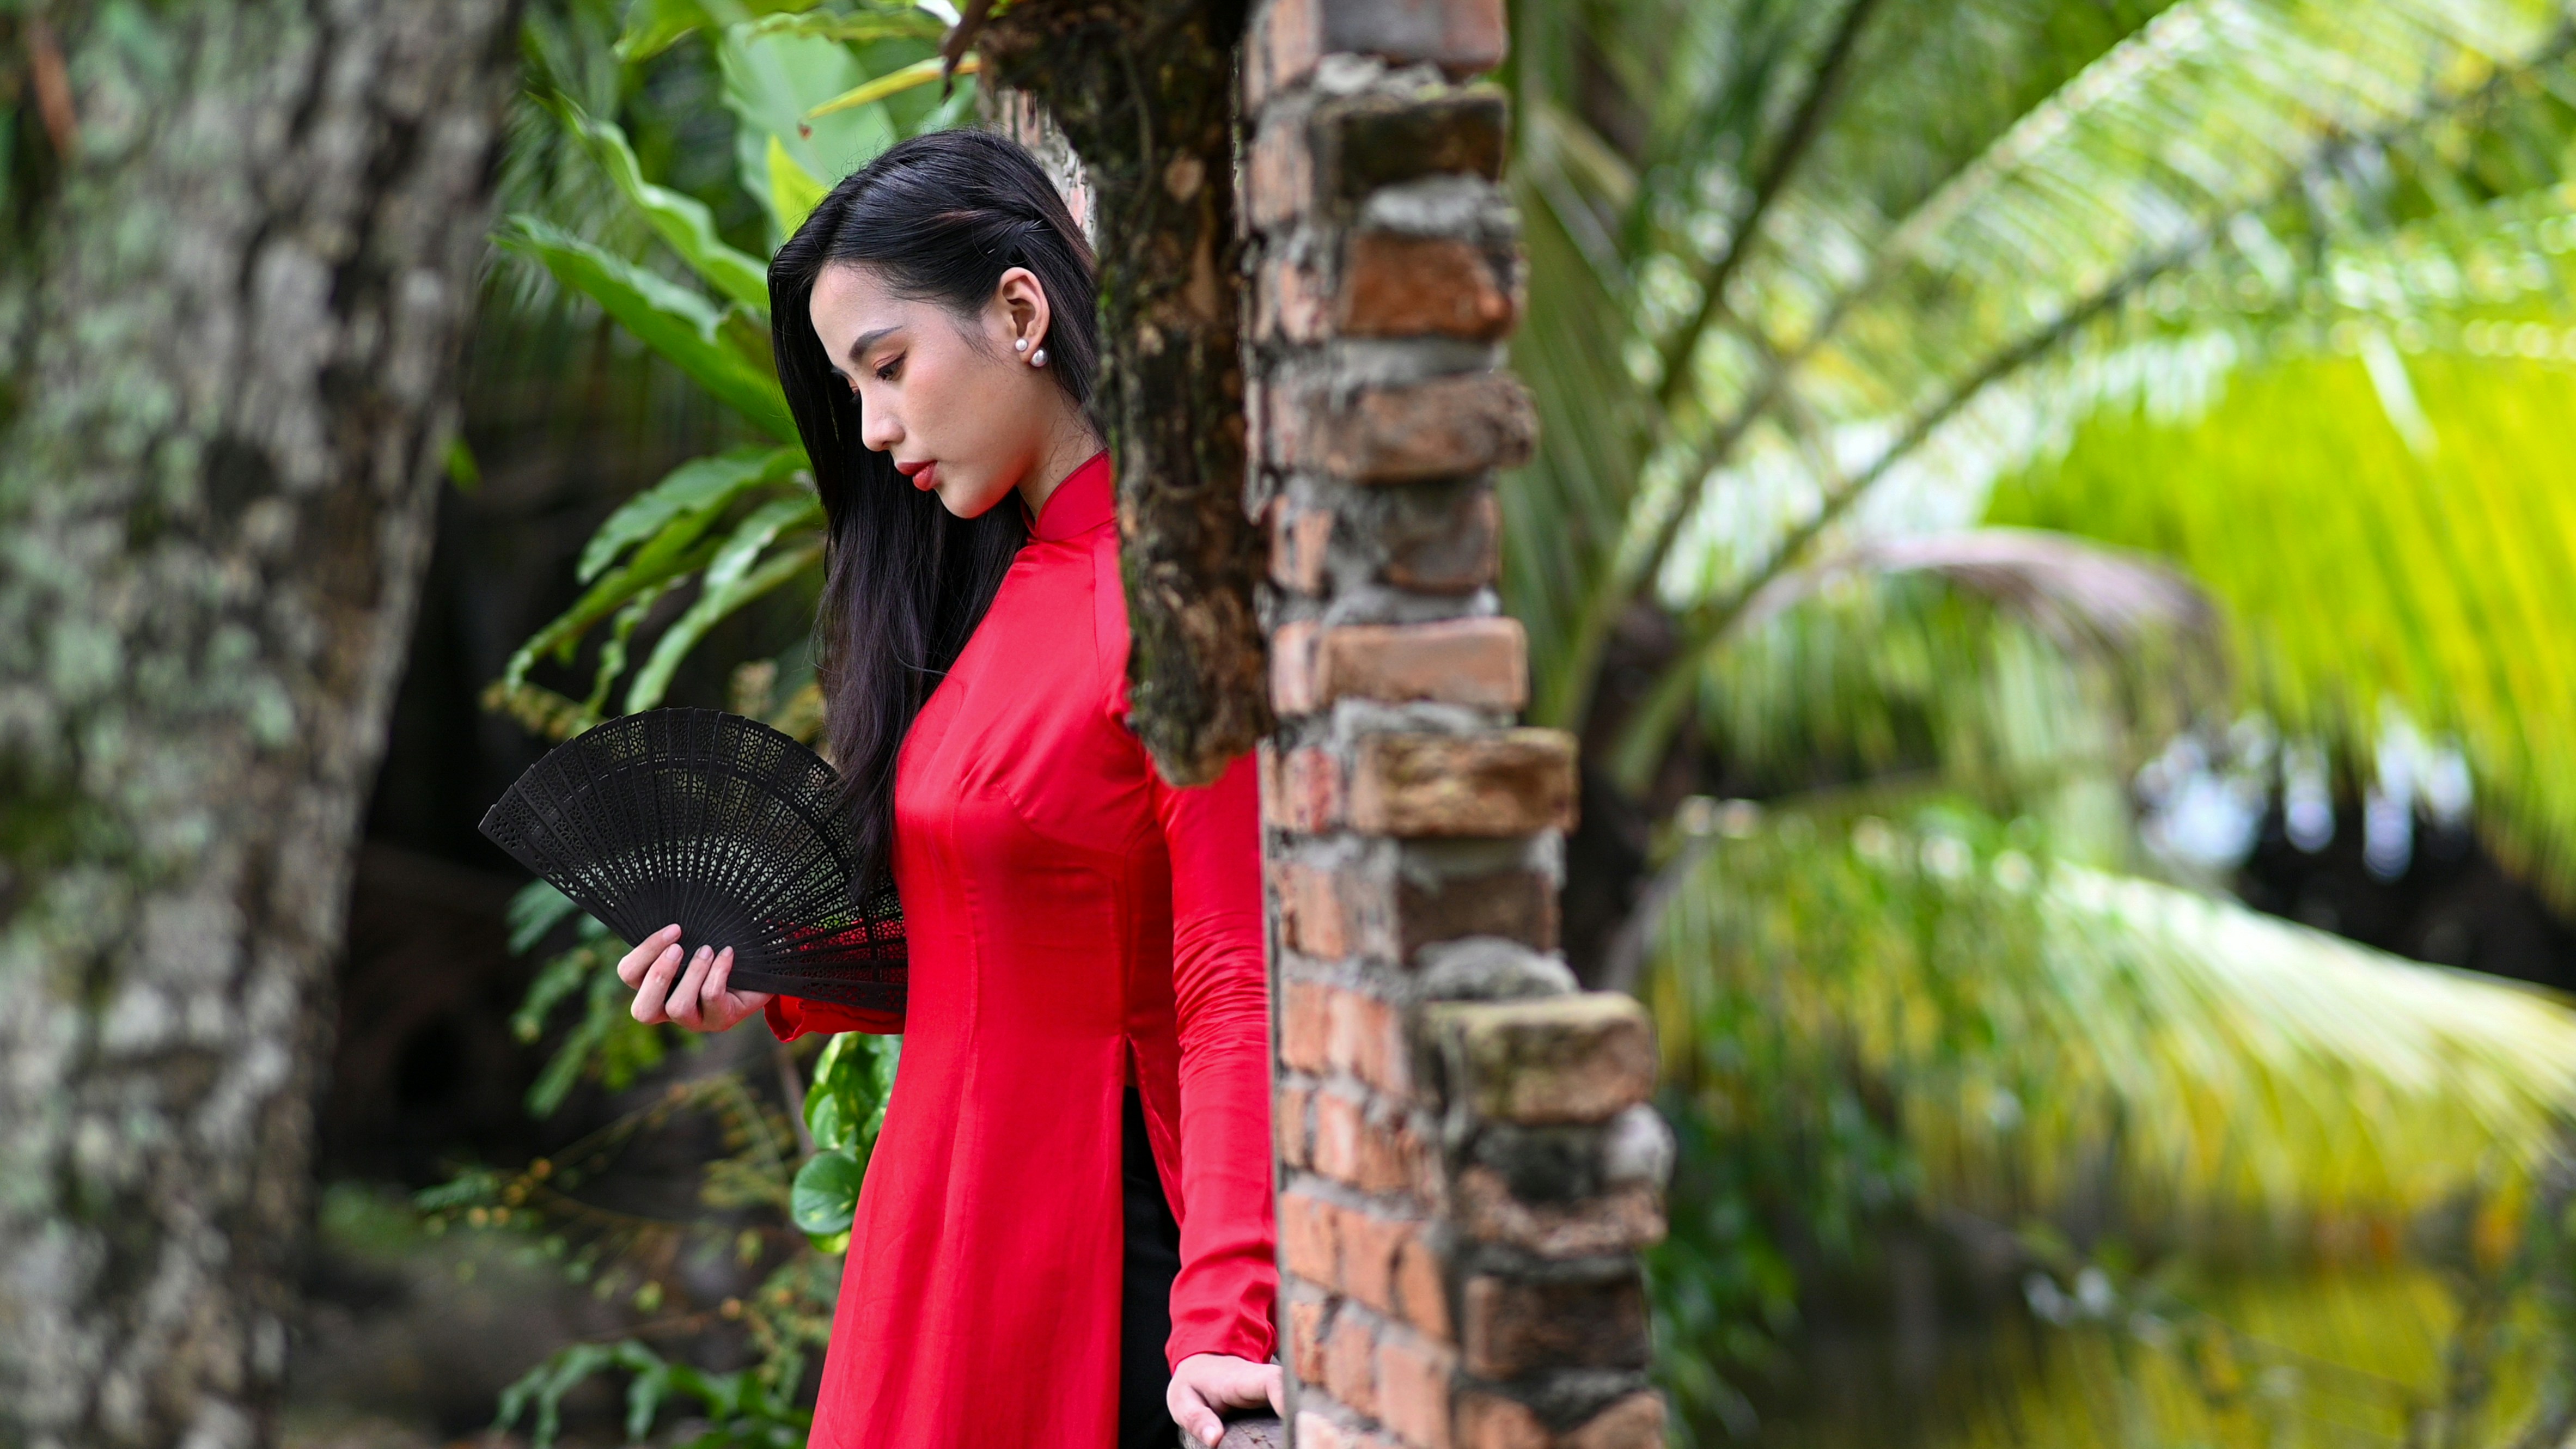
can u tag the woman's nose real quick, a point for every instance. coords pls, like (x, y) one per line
(878, 430)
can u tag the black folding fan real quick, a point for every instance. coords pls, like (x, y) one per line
(723, 825)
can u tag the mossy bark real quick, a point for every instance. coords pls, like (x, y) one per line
(1144, 89)
(239, 246)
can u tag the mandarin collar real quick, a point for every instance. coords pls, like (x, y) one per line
(1082, 502)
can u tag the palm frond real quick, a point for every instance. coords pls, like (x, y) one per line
(2358, 565)
(2042, 1030)
(1874, 326)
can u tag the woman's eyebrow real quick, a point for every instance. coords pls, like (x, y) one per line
(866, 340)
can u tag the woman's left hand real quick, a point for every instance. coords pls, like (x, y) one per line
(1207, 1382)
(701, 999)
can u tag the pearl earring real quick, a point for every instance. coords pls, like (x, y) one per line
(1038, 358)
(1019, 344)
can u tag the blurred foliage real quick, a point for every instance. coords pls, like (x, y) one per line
(614, 212)
(1869, 340)
(601, 216)
(776, 1198)
(1988, 395)
(1899, 1009)
(2438, 572)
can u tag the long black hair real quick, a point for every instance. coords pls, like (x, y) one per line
(939, 218)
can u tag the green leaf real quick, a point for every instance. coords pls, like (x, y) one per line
(559, 978)
(885, 1051)
(771, 80)
(859, 29)
(670, 554)
(697, 487)
(832, 1106)
(608, 1036)
(732, 582)
(654, 26)
(533, 912)
(644, 1397)
(824, 1122)
(674, 321)
(853, 1078)
(794, 192)
(680, 219)
(826, 1195)
(896, 82)
(462, 470)
(780, 515)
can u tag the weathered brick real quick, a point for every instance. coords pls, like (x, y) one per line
(1312, 918)
(1370, 1242)
(1372, 1153)
(1490, 1421)
(1365, 1037)
(1518, 905)
(1279, 167)
(1298, 540)
(1288, 1119)
(1506, 782)
(1513, 1326)
(1395, 285)
(1306, 1325)
(1257, 424)
(1337, 1136)
(1350, 1362)
(1420, 1297)
(1309, 1238)
(1480, 663)
(1314, 1431)
(1292, 667)
(1287, 37)
(1461, 556)
(1361, 143)
(1305, 1025)
(1269, 769)
(1635, 1422)
(1579, 1058)
(1331, 914)
(1444, 427)
(1291, 302)
(1621, 1220)
(1320, 161)
(1301, 789)
(1379, 1329)
(1281, 44)
(1412, 1385)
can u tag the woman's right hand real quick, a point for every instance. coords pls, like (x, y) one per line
(699, 998)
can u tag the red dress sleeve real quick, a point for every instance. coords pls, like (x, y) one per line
(792, 1016)
(1223, 1300)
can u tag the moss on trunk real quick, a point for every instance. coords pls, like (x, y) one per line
(238, 247)
(1144, 89)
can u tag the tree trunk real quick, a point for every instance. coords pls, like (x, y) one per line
(1145, 91)
(238, 249)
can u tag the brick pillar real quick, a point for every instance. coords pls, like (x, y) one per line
(1466, 1162)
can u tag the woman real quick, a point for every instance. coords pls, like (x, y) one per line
(1065, 1235)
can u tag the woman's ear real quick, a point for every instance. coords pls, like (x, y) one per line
(1024, 307)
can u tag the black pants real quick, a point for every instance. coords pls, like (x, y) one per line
(1153, 1256)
